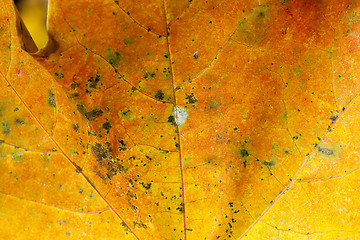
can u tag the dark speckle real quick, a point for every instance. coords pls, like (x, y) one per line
(261, 15)
(159, 95)
(171, 119)
(191, 98)
(244, 153)
(333, 118)
(93, 82)
(107, 126)
(147, 186)
(149, 75)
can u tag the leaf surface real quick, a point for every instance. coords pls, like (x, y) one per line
(181, 120)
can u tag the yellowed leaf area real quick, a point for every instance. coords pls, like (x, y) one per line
(181, 120)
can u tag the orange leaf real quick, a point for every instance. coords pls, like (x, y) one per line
(181, 120)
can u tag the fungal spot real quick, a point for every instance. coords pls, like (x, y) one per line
(128, 41)
(75, 127)
(333, 118)
(191, 98)
(254, 29)
(325, 151)
(94, 81)
(74, 85)
(89, 115)
(20, 121)
(196, 55)
(147, 186)
(51, 99)
(125, 113)
(16, 156)
(59, 75)
(113, 57)
(269, 164)
(122, 145)
(244, 153)
(171, 119)
(180, 209)
(107, 126)
(149, 75)
(181, 114)
(159, 95)
(5, 127)
(213, 104)
(74, 95)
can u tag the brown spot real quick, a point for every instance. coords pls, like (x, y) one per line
(51, 99)
(100, 153)
(19, 121)
(326, 151)
(75, 127)
(269, 164)
(89, 115)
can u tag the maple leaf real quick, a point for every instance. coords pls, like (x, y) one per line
(181, 120)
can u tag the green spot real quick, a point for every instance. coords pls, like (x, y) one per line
(149, 75)
(73, 151)
(16, 156)
(51, 99)
(269, 164)
(128, 41)
(213, 104)
(125, 113)
(5, 127)
(113, 57)
(89, 115)
(74, 85)
(46, 157)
